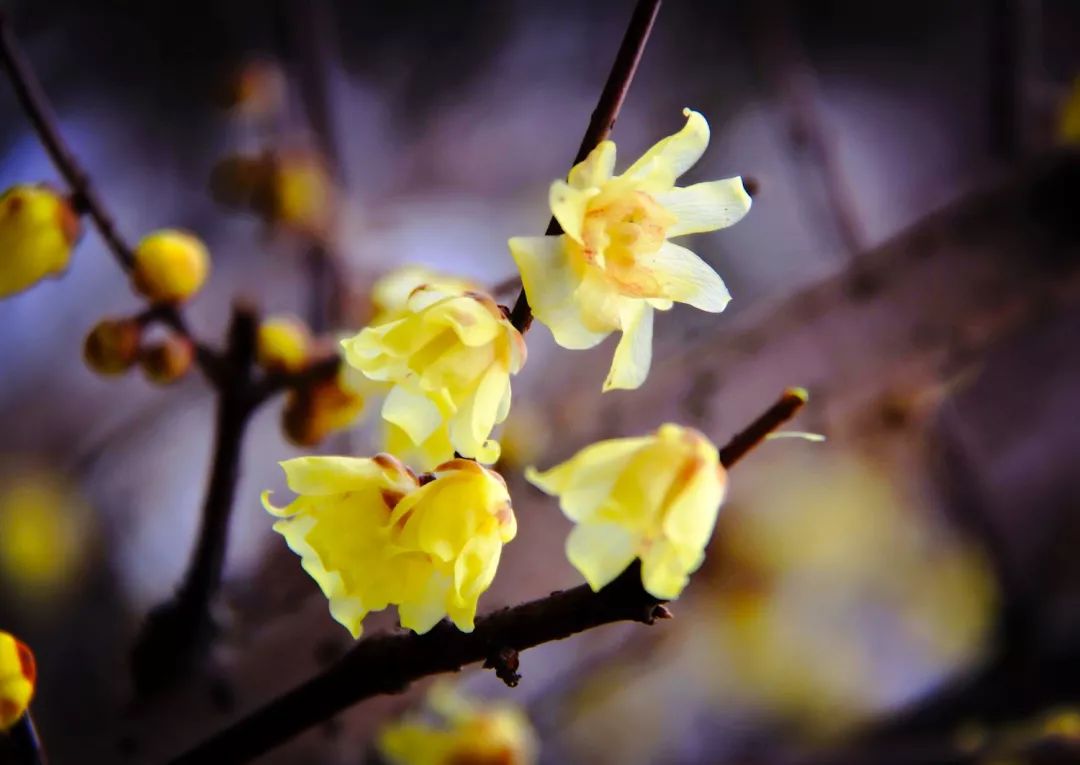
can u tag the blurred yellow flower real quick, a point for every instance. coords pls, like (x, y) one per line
(314, 411)
(17, 679)
(302, 195)
(37, 231)
(371, 536)
(170, 266)
(614, 264)
(449, 359)
(467, 733)
(1068, 127)
(653, 497)
(283, 343)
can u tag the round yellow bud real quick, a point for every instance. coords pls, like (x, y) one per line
(170, 266)
(167, 361)
(112, 346)
(302, 197)
(17, 679)
(283, 343)
(37, 230)
(314, 412)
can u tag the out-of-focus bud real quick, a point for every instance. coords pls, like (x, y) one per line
(167, 361)
(170, 266)
(257, 89)
(37, 231)
(315, 411)
(302, 195)
(241, 181)
(112, 347)
(283, 343)
(17, 679)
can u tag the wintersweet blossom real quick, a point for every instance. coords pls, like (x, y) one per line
(449, 359)
(614, 264)
(37, 231)
(653, 497)
(390, 292)
(465, 731)
(371, 536)
(17, 679)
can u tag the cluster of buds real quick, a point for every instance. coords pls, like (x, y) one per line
(169, 268)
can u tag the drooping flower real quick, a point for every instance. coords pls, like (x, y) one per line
(372, 537)
(614, 264)
(17, 679)
(465, 732)
(449, 359)
(37, 231)
(170, 266)
(653, 497)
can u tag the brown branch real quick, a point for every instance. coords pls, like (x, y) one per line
(603, 116)
(84, 195)
(389, 663)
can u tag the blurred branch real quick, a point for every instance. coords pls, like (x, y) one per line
(84, 196)
(390, 663)
(603, 116)
(21, 745)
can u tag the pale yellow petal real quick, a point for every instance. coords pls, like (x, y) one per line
(584, 482)
(596, 168)
(423, 613)
(679, 151)
(569, 205)
(691, 516)
(600, 551)
(550, 284)
(706, 206)
(686, 278)
(471, 427)
(633, 354)
(415, 414)
(664, 573)
(473, 323)
(330, 475)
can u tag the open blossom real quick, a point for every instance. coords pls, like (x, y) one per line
(614, 264)
(372, 536)
(449, 359)
(37, 231)
(17, 679)
(653, 497)
(466, 732)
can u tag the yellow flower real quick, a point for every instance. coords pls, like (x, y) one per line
(654, 497)
(37, 231)
(449, 359)
(371, 536)
(390, 292)
(170, 266)
(283, 343)
(17, 679)
(614, 264)
(469, 733)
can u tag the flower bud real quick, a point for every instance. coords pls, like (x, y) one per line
(170, 266)
(37, 231)
(283, 344)
(17, 679)
(167, 361)
(313, 412)
(112, 346)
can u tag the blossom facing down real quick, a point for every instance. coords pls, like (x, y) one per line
(372, 536)
(614, 265)
(17, 679)
(449, 361)
(463, 731)
(654, 497)
(170, 266)
(37, 231)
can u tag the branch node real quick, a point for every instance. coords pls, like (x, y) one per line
(505, 661)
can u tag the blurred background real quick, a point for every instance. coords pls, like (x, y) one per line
(905, 591)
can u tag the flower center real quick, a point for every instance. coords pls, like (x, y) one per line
(618, 232)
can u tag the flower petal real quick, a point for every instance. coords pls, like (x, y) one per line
(551, 283)
(600, 551)
(426, 610)
(568, 205)
(415, 414)
(633, 354)
(584, 482)
(664, 573)
(686, 278)
(691, 516)
(679, 151)
(330, 475)
(706, 206)
(596, 168)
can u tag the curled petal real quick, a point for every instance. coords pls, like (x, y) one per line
(568, 205)
(664, 571)
(335, 475)
(596, 168)
(633, 355)
(414, 413)
(422, 613)
(679, 152)
(600, 551)
(706, 206)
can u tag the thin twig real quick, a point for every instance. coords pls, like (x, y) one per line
(603, 116)
(389, 663)
(21, 745)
